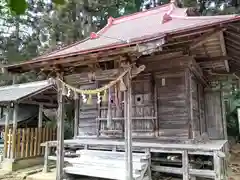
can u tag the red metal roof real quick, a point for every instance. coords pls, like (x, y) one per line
(146, 25)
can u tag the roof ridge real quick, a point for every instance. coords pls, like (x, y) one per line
(142, 13)
(203, 17)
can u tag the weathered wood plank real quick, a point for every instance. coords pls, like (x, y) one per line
(23, 143)
(214, 115)
(101, 162)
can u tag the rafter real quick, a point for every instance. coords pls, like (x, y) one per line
(202, 39)
(217, 58)
(224, 51)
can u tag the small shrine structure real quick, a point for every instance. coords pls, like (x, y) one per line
(24, 122)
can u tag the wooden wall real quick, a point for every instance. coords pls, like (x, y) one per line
(172, 105)
(168, 101)
(214, 120)
(198, 107)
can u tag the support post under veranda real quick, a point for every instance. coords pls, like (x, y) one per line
(128, 128)
(60, 133)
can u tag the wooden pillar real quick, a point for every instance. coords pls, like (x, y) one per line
(128, 128)
(189, 104)
(109, 115)
(224, 120)
(193, 124)
(156, 124)
(40, 116)
(76, 117)
(60, 134)
(217, 165)
(6, 132)
(46, 160)
(126, 133)
(40, 119)
(185, 164)
(14, 130)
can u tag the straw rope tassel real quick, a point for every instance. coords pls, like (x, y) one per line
(89, 101)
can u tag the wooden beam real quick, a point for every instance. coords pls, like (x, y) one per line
(233, 34)
(202, 39)
(233, 27)
(84, 59)
(217, 58)
(222, 43)
(190, 33)
(234, 51)
(60, 134)
(45, 104)
(234, 41)
(224, 51)
(100, 75)
(43, 100)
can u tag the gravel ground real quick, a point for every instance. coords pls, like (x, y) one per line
(20, 174)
